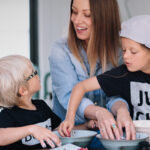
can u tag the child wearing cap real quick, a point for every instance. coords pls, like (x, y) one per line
(130, 80)
(24, 123)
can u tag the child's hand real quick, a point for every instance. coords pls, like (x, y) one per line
(92, 124)
(44, 135)
(65, 128)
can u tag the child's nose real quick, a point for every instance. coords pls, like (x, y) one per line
(126, 55)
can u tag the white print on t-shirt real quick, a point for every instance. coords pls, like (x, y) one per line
(30, 140)
(140, 99)
(1, 109)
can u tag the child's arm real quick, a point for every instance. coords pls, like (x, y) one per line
(11, 135)
(76, 96)
(78, 92)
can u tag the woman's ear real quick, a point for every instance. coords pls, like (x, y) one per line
(22, 91)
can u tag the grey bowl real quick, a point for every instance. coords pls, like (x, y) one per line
(80, 138)
(123, 144)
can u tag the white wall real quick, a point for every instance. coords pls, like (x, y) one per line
(53, 24)
(14, 27)
(129, 8)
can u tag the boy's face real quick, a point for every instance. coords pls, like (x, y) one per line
(34, 81)
(136, 57)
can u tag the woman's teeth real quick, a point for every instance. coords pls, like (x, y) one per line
(79, 28)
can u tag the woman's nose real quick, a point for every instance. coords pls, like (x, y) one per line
(79, 18)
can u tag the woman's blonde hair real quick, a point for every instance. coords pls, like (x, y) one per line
(13, 70)
(104, 42)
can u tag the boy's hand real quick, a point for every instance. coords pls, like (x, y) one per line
(65, 128)
(44, 135)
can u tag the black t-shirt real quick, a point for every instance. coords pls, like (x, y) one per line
(18, 117)
(134, 87)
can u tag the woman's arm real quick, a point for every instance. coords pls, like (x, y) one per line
(11, 135)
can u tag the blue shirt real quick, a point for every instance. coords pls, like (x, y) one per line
(66, 71)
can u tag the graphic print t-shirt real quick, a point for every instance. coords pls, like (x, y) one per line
(134, 87)
(18, 117)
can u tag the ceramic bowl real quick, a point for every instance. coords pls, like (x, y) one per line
(123, 144)
(80, 138)
(142, 126)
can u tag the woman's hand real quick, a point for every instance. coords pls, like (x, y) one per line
(107, 124)
(124, 121)
(120, 110)
(44, 135)
(65, 128)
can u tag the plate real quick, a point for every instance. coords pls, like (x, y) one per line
(80, 138)
(123, 144)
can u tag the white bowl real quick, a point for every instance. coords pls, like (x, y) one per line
(123, 144)
(80, 138)
(142, 126)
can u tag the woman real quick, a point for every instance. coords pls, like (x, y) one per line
(90, 49)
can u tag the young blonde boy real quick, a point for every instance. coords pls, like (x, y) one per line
(130, 80)
(24, 123)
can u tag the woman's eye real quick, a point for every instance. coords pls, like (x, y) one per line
(74, 12)
(87, 15)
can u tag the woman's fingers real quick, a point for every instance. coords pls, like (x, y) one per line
(107, 125)
(115, 130)
(120, 128)
(133, 132)
(103, 132)
(109, 131)
(130, 131)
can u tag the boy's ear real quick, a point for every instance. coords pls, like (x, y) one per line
(22, 91)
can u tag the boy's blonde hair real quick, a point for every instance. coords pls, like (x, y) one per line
(13, 71)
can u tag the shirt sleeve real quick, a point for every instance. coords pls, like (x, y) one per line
(112, 82)
(55, 120)
(64, 78)
(112, 100)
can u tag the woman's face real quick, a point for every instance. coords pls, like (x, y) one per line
(81, 19)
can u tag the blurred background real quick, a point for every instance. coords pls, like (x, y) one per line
(29, 27)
